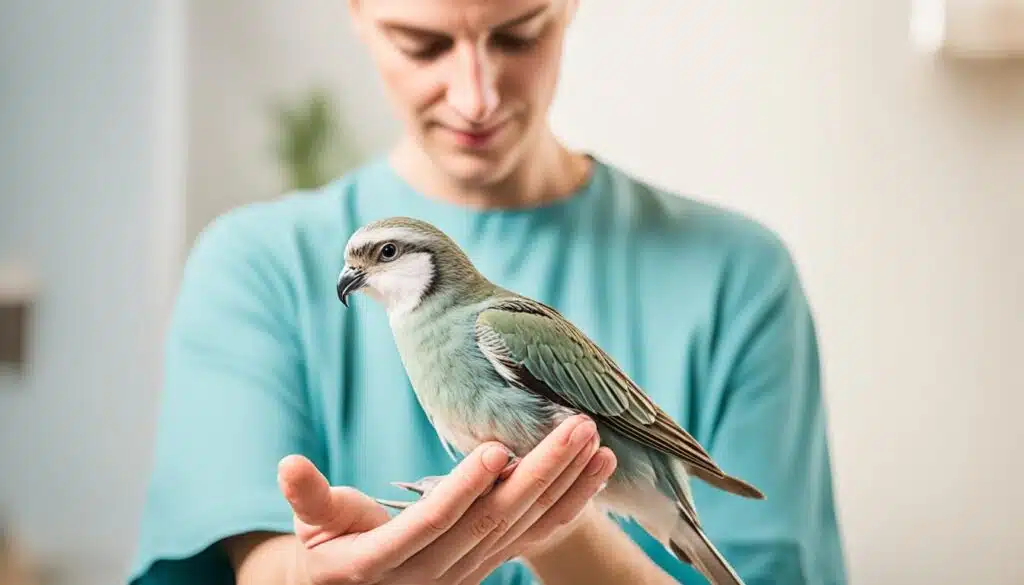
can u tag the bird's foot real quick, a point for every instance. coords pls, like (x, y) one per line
(423, 486)
(420, 487)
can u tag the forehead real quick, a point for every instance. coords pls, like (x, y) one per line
(454, 15)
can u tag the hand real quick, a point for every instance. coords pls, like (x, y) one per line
(461, 531)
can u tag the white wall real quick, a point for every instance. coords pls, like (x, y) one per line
(87, 199)
(899, 184)
(245, 56)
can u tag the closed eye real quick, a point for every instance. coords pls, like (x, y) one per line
(506, 42)
(428, 51)
(512, 43)
(515, 35)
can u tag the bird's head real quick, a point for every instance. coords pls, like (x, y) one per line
(401, 262)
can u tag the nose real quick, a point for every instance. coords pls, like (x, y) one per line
(471, 90)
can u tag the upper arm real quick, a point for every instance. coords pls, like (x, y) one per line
(232, 405)
(763, 419)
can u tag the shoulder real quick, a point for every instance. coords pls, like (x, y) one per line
(275, 226)
(704, 234)
(281, 234)
(272, 256)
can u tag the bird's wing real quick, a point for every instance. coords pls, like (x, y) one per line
(535, 348)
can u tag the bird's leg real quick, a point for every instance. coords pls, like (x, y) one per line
(421, 487)
(424, 485)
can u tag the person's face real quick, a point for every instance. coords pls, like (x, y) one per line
(472, 80)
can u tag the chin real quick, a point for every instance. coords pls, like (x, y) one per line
(481, 168)
(477, 166)
(475, 170)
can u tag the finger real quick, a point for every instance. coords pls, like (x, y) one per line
(569, 506)
(499, 539)
(306, 490)
(541, 467)
(469, 542)
(553, 495)
(601, 466)
(355, 511)
(421, 524)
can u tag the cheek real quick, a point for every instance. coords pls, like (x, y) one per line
(531, 79)
(380, 282)
(411, 87)
(379, 288)
(406, 278)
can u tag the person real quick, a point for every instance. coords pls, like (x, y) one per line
(285, 414)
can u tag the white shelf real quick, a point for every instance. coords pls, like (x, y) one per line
(17, 284)
(968, 29)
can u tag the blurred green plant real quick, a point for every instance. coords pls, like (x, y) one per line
(312, 146)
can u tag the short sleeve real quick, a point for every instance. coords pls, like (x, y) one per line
(233, 404)
(763, 419)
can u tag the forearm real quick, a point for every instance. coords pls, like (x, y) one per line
(263, 558)
(598, 551)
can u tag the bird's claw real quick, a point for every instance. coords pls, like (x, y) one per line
(513, 462)
(397, 505)
(421, 486)
(424, 485)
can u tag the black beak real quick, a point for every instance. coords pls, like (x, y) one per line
(350, 280)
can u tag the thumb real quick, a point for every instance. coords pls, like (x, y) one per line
(306, 490)
(323, 513)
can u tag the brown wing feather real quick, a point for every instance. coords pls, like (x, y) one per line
(537, 349)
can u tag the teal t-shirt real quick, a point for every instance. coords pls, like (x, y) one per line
(700, 305)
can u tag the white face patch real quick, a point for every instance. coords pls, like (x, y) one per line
(400, 285)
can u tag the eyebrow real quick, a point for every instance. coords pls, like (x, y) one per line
(524, 18)
(424, 32)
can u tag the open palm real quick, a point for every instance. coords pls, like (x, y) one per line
(465, 528)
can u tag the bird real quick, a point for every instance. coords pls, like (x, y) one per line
(489, 364)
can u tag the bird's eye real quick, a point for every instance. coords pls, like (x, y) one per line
(388, 251)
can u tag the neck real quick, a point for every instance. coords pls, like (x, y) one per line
(471, 289)
(547, 173)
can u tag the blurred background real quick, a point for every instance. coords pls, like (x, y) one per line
(896, 178)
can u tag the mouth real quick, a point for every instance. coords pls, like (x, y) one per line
(349, 281)
(476, 138)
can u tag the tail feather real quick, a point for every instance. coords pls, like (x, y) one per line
(727, 483)
(689, 543)
(687, 539)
